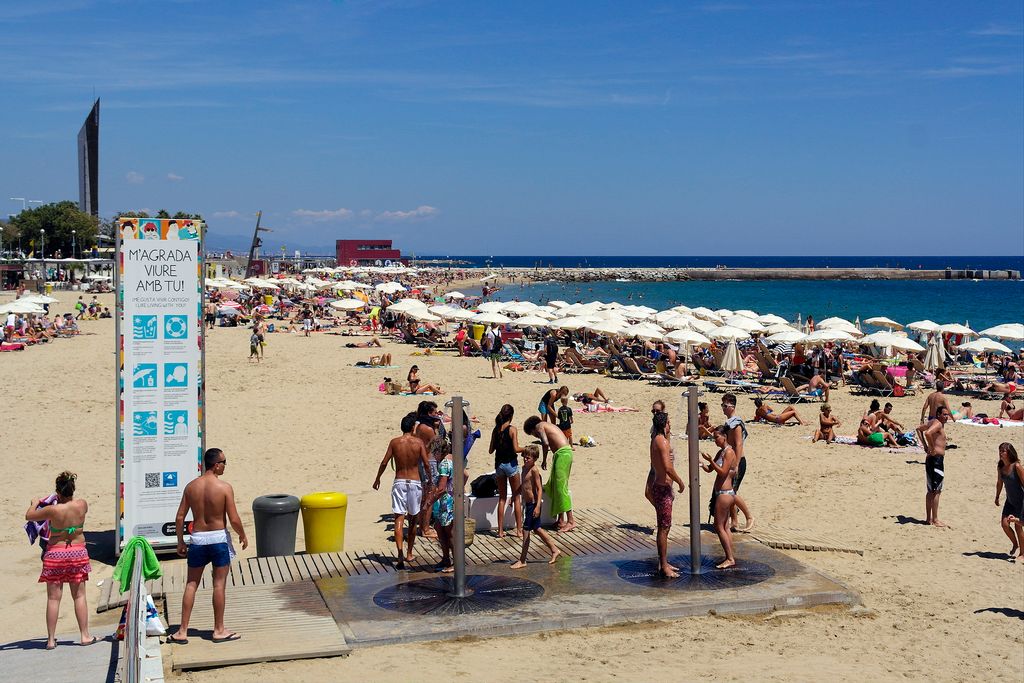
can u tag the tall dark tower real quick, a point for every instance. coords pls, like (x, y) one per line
(89, 162)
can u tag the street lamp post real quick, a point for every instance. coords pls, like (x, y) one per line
(74, 244)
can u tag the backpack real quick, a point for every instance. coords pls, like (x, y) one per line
(550, 347)
(484, 486)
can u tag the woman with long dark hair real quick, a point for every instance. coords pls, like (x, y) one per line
(1010, 475)
(65, 559)
(506, 449)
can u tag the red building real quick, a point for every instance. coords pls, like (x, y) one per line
(368, 253)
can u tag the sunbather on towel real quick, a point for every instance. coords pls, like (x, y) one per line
(765, 413)
(1008, 410)
(586, 398)
(869, 434)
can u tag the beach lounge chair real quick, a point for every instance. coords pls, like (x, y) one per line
(582, 364)
(635, 369)
(794, 396)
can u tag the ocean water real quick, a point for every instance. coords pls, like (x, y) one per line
(1011, 262)
(981, 304)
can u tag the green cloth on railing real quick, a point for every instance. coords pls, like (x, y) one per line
(150, 565)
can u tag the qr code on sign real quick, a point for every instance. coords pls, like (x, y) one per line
(152, 480)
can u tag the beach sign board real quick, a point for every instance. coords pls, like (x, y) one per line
(160, 368)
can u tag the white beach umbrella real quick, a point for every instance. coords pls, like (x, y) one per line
(491, 306)
(936, 356)
(348, 304)
(570, 323)
(423, 315)
(1012, 331)
(390, 287)
(746, 314)
(957, 328)
(454, 295)
(661, 316)
(349, 285)
(788, 337)
(406, 305)
(530, 321)
(38, 299)
(833, 322)
(519, 307)
(703, 326)
(850, 329)
(442, 309)
(20, 306)
(724, 313)
(607, 327)
(731, 361)
(682, 309)
(882, 321)
(728, 333)
(984, 345)
(706, 314)
(679, 322)
(745, 323)
(887, 339)
(558, 304)
(828, 335)
(923, 326)
(488, 317)
(769, 319)
(460, 314)
(687, 338)
(778, 328)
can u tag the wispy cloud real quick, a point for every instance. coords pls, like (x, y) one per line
(1002, 30)
(324, 214)
(971, 71)
(417, 214)
(719, 7)
(134, 177)
(226, 214)
(175, 178)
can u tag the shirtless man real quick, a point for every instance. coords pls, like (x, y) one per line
(817, 385)
(210, 310)
(765, 413)
(932, 435)
(934, 401)
(548, 408)
(552, 438)
(661, 488)
(212, 503)
(408, 453)
(872, 435)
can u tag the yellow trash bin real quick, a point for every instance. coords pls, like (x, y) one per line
(323, 521)
(49, 289)
(476, 331)
(268, 299)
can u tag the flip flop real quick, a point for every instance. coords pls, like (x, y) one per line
(177, 641)
(95, 639)
(227, 638)
(52, 647)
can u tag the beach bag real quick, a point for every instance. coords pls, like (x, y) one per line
(154, 627)
(484, 486)
(906, 439)
(394, 388)
(898, 390)
(469, 533)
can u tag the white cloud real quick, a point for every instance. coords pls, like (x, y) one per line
(175, 178)
(324, 214)
(419, 213)
(1001, 30)
(226, 214)
(134, 177)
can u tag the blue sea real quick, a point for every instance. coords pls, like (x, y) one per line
(981, 304)
(1012, 262)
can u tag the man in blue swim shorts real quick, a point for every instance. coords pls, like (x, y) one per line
(212, 504)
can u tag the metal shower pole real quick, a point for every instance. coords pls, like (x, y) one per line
(458, 407)
(693, 446)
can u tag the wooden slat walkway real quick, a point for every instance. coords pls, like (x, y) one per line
(597, 531)
(776, 536)
(277, 622)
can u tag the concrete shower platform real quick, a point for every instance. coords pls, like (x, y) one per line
(583, 591)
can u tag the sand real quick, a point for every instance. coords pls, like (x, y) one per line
(943, 603)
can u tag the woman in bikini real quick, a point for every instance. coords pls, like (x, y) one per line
(415, 384)
(827, 422)
(1007, 409)
(723, 464)
(764, 413)
(705, 430)
(65, 559)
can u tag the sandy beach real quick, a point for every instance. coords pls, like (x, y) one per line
(943, 604)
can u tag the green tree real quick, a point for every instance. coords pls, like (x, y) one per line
(61, 224)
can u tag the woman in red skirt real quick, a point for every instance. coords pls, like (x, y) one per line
(66, 559)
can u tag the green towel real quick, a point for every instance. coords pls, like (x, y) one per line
(150, 565)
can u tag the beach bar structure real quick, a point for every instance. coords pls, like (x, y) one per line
(368, 253)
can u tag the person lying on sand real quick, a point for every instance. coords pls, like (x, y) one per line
(586, 398)
(365, 345)
(765, 413)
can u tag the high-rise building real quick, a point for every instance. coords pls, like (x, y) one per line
(89, 162)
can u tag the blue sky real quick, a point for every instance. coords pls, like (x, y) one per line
(534, 127)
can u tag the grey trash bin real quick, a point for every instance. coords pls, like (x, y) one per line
(275, 517)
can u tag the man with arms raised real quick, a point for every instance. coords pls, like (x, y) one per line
(212, 503)
(407, 452)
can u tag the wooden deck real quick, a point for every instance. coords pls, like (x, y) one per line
(598, 531)
(277, 622)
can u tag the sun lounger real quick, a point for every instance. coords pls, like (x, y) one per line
(794, 396)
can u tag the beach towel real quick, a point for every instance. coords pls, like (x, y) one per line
(990, 422)
(852, 441)
(40, 530)
(558, 482)
(602, 408)
(150, 565)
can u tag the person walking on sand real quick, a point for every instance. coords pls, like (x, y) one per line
(737, 436)
(661, 494)
(723, 464)
(1010, 476)
(551, 357)
(561, 467)
(408, 454)
(212, 503)
(65, 558)
(932, 436)
(533, 498)
(494, 344)
(506, 449)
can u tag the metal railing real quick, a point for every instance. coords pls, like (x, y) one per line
(135, 626)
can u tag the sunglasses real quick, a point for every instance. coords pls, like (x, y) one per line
(221, 462)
